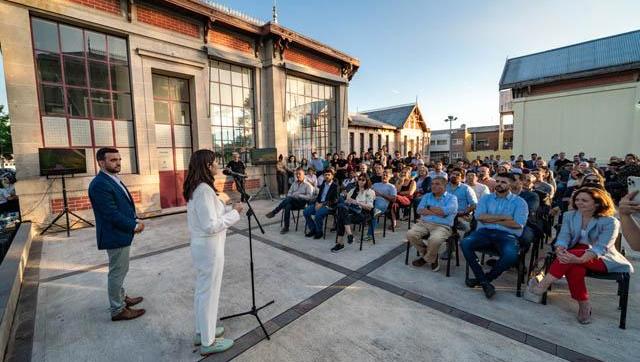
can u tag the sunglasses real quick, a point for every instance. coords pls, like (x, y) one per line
(362, 179)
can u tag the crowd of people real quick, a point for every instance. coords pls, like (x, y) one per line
(502, 205)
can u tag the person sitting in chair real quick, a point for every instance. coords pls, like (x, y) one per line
(467, 199)
(326, 201)
(385, 195)
(353, 210)
(438, 210)
(300, 192)
(501, 218)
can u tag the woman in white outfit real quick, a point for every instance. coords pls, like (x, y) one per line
(208, 220)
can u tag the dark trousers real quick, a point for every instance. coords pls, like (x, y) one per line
(282, 182)
(504, 243)
(287, 205)
(345, 217)
(315, 226)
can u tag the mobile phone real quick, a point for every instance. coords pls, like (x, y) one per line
(633, 184)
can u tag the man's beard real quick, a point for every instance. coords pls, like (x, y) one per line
(112, 170)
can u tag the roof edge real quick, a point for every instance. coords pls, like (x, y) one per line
(390, 107)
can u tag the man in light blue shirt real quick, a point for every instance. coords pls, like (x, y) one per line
(317, 163)
(438, 210)
(501, 218)
(385, 194)
(467, 199)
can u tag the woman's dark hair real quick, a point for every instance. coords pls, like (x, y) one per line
(199, 172)
(604, 203)
(367, 182)
(281, 157)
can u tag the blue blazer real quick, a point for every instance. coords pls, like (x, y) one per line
(601, 238)
(115, 213)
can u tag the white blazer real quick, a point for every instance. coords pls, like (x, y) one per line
(207, 216)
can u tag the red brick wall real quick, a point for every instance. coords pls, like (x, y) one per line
(110, 6)
(216, 36)
(312, 61)
(81, 202)
(168, 21)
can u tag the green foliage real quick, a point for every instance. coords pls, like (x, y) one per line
(6, 147)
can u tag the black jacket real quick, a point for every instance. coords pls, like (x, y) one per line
(426, 185)
(332, 195)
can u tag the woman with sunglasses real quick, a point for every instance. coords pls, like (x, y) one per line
(358, 203)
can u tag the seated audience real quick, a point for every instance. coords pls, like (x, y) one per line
(350, 182)
(299, 194)
(467, 199)
(406, 187)
(385, 195)
(423, 185)
(630, 227)
(485, 179)
(438, 171)
(354, 210)
(311, 177)
(326, 201)
(586, 242)
(437, 210)
(378, 170)
(478, 188)
(501, 217)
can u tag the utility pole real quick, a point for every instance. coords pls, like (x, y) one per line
(450, 119)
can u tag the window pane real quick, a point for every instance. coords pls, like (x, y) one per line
(215, 93)
(117, 49)
(248, 98)
(120, 77)
(96, 45)
(225, 94)
(160, 86)
(180, 89)
(181, 113)
(161, 111)
(314, 90)
(216, 117)
(226, 116)
(75, 71)
(214, 71)
(122, 106)
(45, 35)
(225, 73)
(238, 117)
(77, 99)
(52, 101)
(246, 78)
(98, 75)
(237, 96)
(72, 42)
(236, 75)
(307, 88)
(49, 67)
(101, 104)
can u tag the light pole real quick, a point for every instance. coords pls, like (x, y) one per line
(450, 119)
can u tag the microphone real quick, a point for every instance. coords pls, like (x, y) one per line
(228, 172)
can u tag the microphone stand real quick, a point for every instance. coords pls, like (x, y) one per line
(250, 213)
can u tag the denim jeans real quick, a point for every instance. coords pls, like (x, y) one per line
(288, 205)
(118, 268)
(315, 226)
(382, 206)
(504, 243)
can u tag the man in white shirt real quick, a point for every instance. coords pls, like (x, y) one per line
(478, 188)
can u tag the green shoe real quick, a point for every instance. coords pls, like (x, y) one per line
(197, 339)
(219, 345)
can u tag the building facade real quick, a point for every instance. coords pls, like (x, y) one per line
(401, 128)
(582, 97)
(159, 80)
(489, 141)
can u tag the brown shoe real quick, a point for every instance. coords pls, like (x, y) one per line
(419, 262)
(127, 314)
(130, 302)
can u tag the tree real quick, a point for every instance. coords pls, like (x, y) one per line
(6, 147)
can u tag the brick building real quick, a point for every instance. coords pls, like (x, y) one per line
(401, 128)
(159, 80)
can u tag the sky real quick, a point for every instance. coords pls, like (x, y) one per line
(448, 55)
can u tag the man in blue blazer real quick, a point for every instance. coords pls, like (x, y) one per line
(326, 201)
(116, 223)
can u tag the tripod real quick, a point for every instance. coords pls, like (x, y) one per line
(264, 187)
(65, 211)
(254, 310)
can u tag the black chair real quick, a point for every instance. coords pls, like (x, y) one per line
(452, 243)
(296, 217)
(520, 266)
(623, 280)
(332, 212)
(364, 226)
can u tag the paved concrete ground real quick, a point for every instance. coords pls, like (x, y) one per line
(355, 305)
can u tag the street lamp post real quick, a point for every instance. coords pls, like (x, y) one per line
(450, 119)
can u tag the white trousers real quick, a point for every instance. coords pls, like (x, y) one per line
(208, 260)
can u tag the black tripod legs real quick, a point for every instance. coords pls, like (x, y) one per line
(254, 312)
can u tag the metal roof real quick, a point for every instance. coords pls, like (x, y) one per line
(395, 116)
(614, 53)
(362, 120)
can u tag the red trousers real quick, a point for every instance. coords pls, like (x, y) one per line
(575, 273)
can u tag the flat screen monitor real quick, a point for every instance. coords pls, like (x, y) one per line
(62, 161)
(264, 156)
